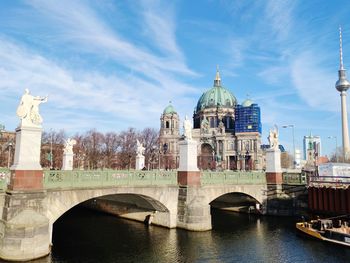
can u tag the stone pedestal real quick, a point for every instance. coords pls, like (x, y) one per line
(273, 166)
(188, 173)
(188, 155)
(140, 162)
(67, 162)
(27, 151)
(26, 172)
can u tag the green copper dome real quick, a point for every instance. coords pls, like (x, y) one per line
(217, 96)
(169, 110)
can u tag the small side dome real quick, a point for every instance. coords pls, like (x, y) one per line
(169, 110)
(247, 103)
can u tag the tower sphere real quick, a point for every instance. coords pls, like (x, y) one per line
(342, 83)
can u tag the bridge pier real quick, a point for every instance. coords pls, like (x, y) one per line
(193, 213)
(24, 230)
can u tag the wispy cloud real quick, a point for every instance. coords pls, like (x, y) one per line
(280, 16)
(314, 83)
(79, 24)
(125, 100)
(138, 90)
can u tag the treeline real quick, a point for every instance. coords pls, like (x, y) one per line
(96, 150)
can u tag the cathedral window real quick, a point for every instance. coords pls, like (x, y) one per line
(212, 122)
(167, 124)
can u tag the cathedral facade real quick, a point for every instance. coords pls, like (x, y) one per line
(228, 133)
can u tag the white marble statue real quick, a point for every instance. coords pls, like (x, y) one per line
(68, 146)
(140, 149)
(28, 109)
(273, 138)
(205, 125)
(187, 129)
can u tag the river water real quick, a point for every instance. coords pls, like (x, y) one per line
(86, 236)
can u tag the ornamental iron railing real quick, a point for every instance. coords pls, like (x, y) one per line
(294, 178)
(232, 177)
(4, 178)
(107, 178)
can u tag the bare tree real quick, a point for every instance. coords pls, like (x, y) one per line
(127, 146)
(52, 149)
(149, 138)
(95, 150)
(111, 142)
(79, 152)
(92, 144)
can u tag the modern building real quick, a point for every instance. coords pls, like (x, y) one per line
(312, 142)
(228, 133)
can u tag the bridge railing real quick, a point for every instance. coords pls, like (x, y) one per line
(333, 181)
(101, 178)
(4, 177)
(294, 178)
(232, 177)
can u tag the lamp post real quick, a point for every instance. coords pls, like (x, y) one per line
(9, 145)
(51, 161)
(336, 146)
(2, 129)
(291, 126)
(165, 149)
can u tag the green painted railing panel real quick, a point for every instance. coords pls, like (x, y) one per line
(4, 177)
(294, 178)
(101, 178)
(231, 177)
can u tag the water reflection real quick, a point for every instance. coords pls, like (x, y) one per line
(87, 236)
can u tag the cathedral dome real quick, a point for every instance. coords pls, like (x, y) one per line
(217, 96)
(169, 110)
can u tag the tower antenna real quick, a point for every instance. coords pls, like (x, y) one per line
(341, 66)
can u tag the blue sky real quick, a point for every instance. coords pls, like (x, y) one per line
(110, 65)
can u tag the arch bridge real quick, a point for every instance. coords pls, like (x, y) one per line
(28, 215)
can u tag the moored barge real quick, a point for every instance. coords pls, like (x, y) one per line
(334, 231)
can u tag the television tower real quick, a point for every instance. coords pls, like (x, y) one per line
(342, 86)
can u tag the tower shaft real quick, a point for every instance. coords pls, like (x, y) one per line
(345, 129)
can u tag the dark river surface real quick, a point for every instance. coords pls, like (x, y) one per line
(86, 236)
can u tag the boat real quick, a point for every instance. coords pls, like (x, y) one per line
(332, 230)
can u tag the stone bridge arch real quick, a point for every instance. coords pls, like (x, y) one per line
(257, 192)
(163, 199)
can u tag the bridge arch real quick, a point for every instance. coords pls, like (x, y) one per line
(161, 199)
(253, 193)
